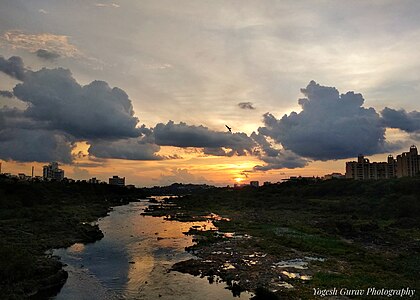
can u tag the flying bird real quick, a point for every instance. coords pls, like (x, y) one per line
(229, 128)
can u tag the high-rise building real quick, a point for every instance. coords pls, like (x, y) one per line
(363, 169)
(408, 163)
(52, 172)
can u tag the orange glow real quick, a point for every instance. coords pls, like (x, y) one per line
(238, 179)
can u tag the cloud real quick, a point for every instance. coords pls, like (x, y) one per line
(183, 135)
(12, 67)
(11, 118)
(53, 43)
(275, 158)
(284, 160)
(182, 176)
(28, 145)
(246, 105)
(329, 126)
(87, 112)
(80, 173)
(6, 94)
(132, 149)
(111, 5)
(47, 55)
(407, 121)
(61, 112)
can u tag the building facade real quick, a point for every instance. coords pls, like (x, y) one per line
(53, 172)
(115, 180)
(406, 164)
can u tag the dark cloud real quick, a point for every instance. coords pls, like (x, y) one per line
(246, 105)
(329, 126)
(47, 55)
(183, 135)
(61, 112)
(284, 160)
(275, 158)
(28, 145)
(15, 118)
(12, 67)
(132, 148)
(91, 111)
(407, 121)
(6, 94)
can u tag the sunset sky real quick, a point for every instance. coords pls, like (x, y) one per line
(143, 89)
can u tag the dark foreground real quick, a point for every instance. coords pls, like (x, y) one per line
(281, 241)
(296, 239)
(36, 217)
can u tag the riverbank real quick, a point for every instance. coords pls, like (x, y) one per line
(38, 216)
(284, 241)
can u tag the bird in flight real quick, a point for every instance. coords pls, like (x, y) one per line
(229, 128)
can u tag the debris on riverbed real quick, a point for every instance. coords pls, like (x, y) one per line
(231, 256)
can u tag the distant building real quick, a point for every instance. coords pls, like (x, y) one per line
(254, 183)
(52, 172)
(115, 180)
(300, 178)
(94, 180)
(334, 176)
(363, 169)
(408, 163)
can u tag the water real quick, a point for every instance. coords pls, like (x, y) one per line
(133, 260)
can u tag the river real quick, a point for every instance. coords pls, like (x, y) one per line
(133, 260)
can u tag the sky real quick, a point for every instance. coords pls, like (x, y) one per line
(144, 89)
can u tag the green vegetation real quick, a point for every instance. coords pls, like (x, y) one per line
(37, 216)
(368, 231)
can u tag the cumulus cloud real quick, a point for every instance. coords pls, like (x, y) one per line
(132, 149)
(91, 111)
(11, 118)
(330, 126)
(407, 121)
(28, 145)
(246, 105)
(47, 55)
(183, 135)
(12, 67)
(275, 158)
(60, 112)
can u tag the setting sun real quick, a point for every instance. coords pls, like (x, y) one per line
(238, 179)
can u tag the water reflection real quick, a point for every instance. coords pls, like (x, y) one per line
(133, 261)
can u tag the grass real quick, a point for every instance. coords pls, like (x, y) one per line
(368, 231)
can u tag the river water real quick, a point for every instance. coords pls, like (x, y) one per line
(133, 260)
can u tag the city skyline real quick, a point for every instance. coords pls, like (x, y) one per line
(304, 87)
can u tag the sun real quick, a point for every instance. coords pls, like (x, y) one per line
(238, 179)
